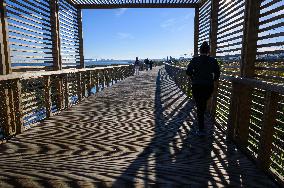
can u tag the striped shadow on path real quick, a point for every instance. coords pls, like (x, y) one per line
(136, 133)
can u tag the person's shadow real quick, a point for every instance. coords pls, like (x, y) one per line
(170, 155)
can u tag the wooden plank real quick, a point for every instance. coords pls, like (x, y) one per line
(47, 96)
(18, 108)
(54, 19)
(138, 5)
(80, 33)
(251, 26)
(196, 31)
(267, 130)
(5, 59)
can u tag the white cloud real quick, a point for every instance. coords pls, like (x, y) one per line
(120, 11)
(124, 36)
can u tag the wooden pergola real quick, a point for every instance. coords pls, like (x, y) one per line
(47, 35)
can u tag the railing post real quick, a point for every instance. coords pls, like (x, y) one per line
(80, 33)
(18, 110)
(196, 31)
(59, 90)
(66, 91)
(5, 112)
(267, 130)
(47, 93)
(79, 85)
(233, 114)
(5, 59)
(97, 80)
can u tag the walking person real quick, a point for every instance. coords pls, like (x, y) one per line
(151, 64)
(203, 72)
(136, 66)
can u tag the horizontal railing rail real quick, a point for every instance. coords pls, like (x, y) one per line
(28, 98)
(267, 148)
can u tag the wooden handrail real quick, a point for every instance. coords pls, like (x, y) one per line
(29, 75)
(235, 130)
(269, 86)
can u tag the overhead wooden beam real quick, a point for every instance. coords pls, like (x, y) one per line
(54, 19)
(196, 31)
(5, 59)
(138, 5)
(80, 32)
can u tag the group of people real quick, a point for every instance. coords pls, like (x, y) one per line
(138, 65)
(203, 72)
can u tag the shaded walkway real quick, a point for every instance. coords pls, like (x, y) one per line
(137, 132)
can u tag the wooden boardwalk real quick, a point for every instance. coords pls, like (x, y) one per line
(137, 132)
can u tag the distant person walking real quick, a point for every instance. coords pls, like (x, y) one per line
(146, 62)
(151, 64)
(203, 72)
(136, 66)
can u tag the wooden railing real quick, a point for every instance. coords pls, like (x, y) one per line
(28, 98)
(265, 136)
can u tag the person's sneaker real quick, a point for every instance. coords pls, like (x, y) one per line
(201, 133)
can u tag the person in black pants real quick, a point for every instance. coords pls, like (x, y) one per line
(203, 71)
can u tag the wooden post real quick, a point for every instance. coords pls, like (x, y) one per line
(196, 31)
(5, 59)
(97, 80)
(59, 90)
(66, 91)
(57, 59)
(214, 27)
(267, 130)
(47, 94)
(244, 112)
(5, 111)
(233, 114)
(18, 110)
(252, 11)
(79, 85)
(249, 48)
(213, 48)
(80, 33)
(54, 19)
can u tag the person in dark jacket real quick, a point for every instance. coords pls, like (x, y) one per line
(203, 72)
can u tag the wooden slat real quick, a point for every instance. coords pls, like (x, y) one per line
(5, 60)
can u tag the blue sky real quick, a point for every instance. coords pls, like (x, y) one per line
(146, 33)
